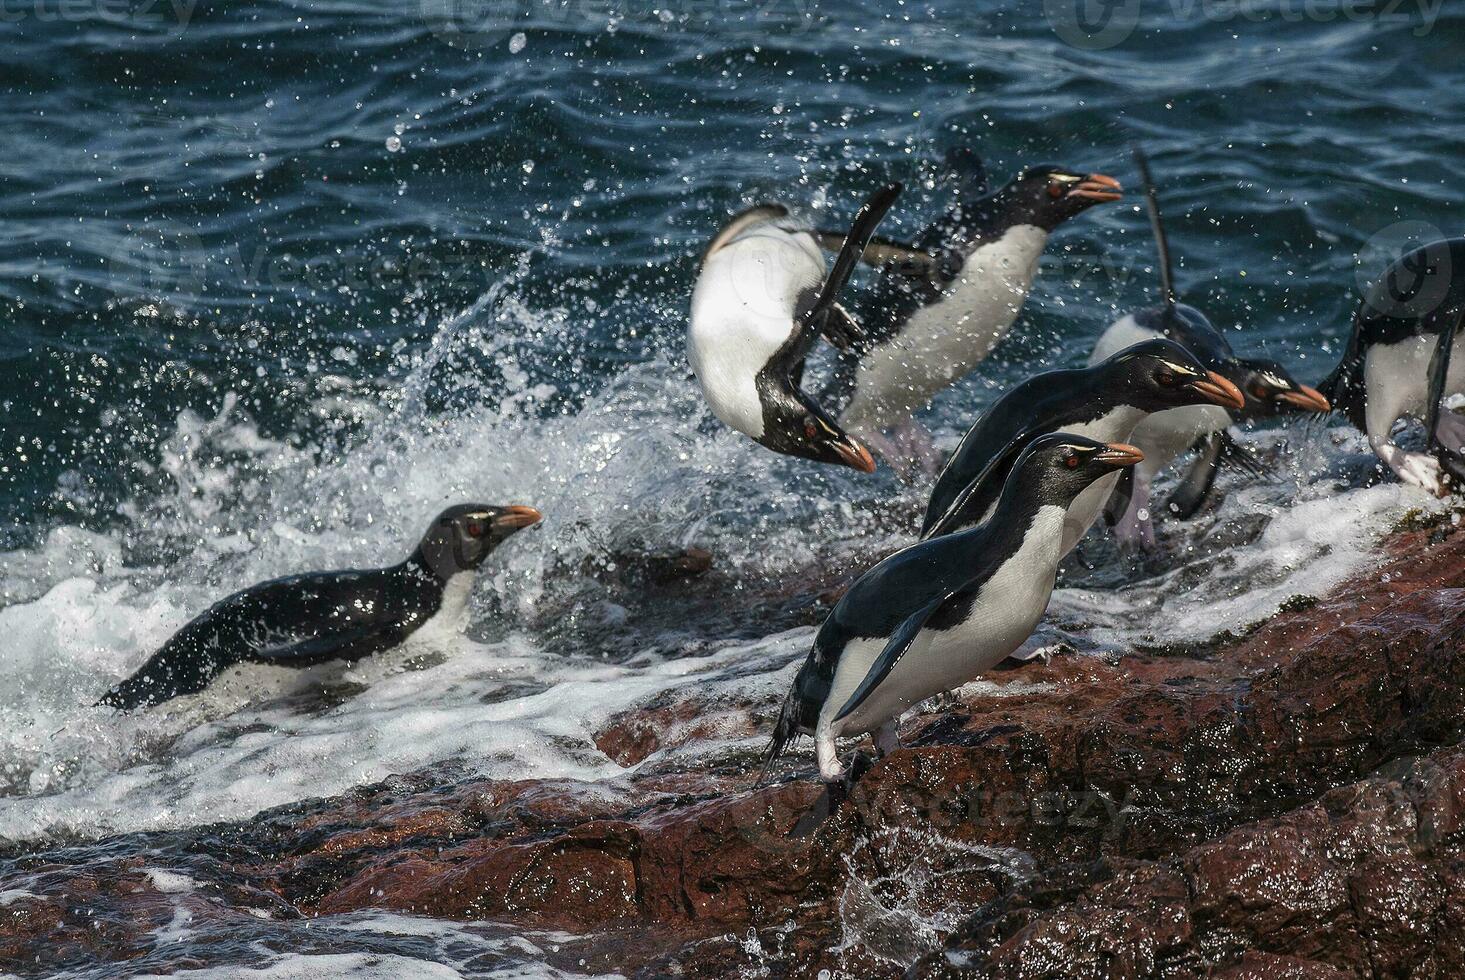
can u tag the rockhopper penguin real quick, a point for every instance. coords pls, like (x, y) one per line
(760, 303)
(308, 619)
(1405, 355)
(943, 303)
(1165, 435)
(939, 613)
(1104, 402)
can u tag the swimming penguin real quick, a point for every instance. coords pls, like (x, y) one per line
(760, 303)
(937, 614)
(1405, 354)
(1165, 435)
(1104, 402)
(943, 303)
(308, 619)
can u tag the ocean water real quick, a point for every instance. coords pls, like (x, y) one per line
(281, 280)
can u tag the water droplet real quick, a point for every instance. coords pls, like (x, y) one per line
(529, 166)
(394, 143)
(517, 42)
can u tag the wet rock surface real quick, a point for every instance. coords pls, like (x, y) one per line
(1287, 804)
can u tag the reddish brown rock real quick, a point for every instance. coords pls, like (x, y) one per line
(1290, 804)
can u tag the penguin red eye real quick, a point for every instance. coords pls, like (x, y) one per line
(475, 529)
(811, 431)
(1259, 391)
(1055, 189)
(1166, 378)
(1071, 461)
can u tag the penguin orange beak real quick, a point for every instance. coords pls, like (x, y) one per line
(516, 517)
(1217, 389)
(1119, 454)
(1097, 187)
(854, 455)
(1307, 399)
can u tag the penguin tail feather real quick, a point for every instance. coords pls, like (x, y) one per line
(785, 730)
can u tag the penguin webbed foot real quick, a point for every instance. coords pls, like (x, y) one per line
(1422, 470)
(1452, 466)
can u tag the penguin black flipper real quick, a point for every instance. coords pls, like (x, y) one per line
(969, 503)
(811, 320)
(1195, 488)
(896, 648)
(862, 229)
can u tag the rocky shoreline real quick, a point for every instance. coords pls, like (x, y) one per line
(1288, 803)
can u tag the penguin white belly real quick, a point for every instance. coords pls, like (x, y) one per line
(1122, 333)
(1002, 616)
(1164, 435)
(1396, 380)
(742, 313)
(943, 341)
(452, 615)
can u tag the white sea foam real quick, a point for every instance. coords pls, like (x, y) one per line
(630, 467)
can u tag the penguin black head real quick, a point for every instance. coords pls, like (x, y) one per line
(1055, 468)
(1049, 196)
(1158, 374)
(1273, 389)
(461, 537)
(794, 425)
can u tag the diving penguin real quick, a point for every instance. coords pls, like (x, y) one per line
(1104, 402)
(1165, 435)
(760, 303)
(942, 303)
(939, 613)
(1405, 354)
(309, 619)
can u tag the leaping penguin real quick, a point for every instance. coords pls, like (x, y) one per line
(1104, 402)
(937, 614)
(760, 303)
(309, 619)
(1165, 435)
(1405, 354)
(942, 304)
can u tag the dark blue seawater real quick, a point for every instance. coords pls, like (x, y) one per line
(215, 199)
(279, 279)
